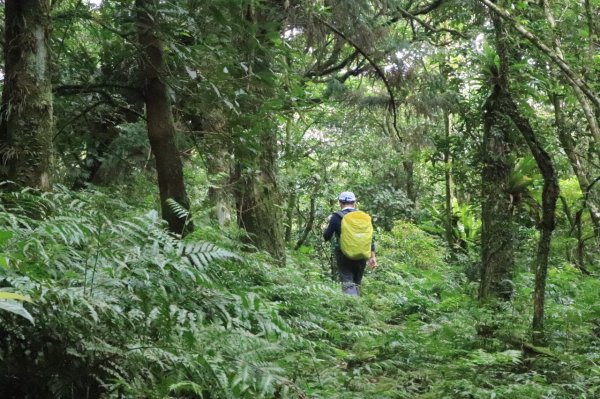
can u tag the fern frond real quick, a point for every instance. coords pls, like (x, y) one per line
(185, 387)
(178, 209)
(200, 254)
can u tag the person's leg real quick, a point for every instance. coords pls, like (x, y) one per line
(347, 274)
(358, 273)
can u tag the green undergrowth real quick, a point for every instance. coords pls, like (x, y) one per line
(127, 311)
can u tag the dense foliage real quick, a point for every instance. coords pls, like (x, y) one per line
(129, 312)
(167, 169)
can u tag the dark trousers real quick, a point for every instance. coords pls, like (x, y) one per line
(351, 273)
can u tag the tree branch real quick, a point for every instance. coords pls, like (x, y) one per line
(76, 117)
(93, 88)
(353, 72)
(586, 107)
(310, 223)
(107, 99)
(428, 8)
(378, 70)
(426, 25)
(345, 62)
(572, 75)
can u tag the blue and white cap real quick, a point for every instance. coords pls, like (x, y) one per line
(347, 196)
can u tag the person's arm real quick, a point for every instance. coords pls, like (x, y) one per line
(373, 259)
(334, 225)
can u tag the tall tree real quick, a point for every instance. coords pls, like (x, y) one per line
(509, 110)
(258, 198)
(448, 179)
(26, 124)
(550, 195)
(160, 125)
(497, 255)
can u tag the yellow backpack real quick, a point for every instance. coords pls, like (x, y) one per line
(356, 235)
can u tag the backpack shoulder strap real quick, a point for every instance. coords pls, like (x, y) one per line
(340, 214)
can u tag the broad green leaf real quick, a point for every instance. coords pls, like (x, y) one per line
(12, 295)
(16, 308)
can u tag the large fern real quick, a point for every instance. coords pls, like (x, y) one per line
(128, 307)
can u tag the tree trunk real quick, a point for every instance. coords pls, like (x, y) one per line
(566, 142)
(497, 259)
(258, 200)
(448, 181)
(101, 134)
(257, 196)
(161, 128)
(593, 35)
(292, 197)
(409, 172)
(311, 216)
(497, 208)
(26, 125)
(544, 163)
(219, 195)
(580, 171)
(289, 215)
(550, 195)
(216, 141)
(309, 225)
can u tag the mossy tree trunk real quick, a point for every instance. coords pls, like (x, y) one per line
(258, 198)
(507, 109)
(409, 172)
(497, 259)
(160, 125)
(26, 125)
(291, 196)
(257, 195)
(289, 214)
(216, 141)
(550, 195)
(448, 181)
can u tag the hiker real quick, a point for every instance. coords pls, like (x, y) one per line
(354, 247)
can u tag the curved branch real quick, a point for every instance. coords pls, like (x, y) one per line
(572, 75)
(583, 100)
(310, 223)
(107, 99)
(419, 11)
(589, 188)
(352, 72)
(424, 24)
(342, 64)
(428, 8)
(378, 70)
(76, 117)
